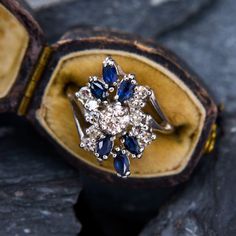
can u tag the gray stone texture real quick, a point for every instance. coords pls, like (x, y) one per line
(38, 189)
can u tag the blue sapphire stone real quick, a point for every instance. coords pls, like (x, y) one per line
(126, 90)
(104, 146)
(131, 144)
(121, 164)
(98, 90)
(109, 74)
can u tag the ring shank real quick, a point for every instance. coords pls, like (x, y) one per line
(165, 127)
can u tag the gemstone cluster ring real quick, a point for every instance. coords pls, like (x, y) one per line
(115, 124)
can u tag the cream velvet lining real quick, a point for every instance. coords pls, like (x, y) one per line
(169, 154)
(13, 43)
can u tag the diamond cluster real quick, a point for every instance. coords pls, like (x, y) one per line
(113, 107)
(114, 119)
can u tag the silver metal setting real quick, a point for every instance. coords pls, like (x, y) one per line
(116, 119)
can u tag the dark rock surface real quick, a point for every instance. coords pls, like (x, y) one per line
(37, 189)
(208, 45)
(206, 205)
(145, 17)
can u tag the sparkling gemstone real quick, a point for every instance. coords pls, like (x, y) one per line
(146, 137)
(131, 144)
(126, 90)
(98, 90)
(140, 97)
(91, 105)
(137, 117)
(121, 164)
(92, 117)
(88, 144)
(93, 132)
(141, 92)
(114, 119)
(104, 146)
(84, 93)
(109, 74)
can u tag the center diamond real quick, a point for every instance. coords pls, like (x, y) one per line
(114, 119)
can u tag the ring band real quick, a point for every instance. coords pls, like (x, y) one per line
(115, 123)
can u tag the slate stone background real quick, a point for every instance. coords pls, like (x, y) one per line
(39, 191)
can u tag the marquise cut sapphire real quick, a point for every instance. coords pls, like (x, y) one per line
(104, 146)
(126, 90)
(109, 74)
(121, 164)
(98, 90)
(131, 144)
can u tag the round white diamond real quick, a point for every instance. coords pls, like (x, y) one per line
(84, 94)
(141, 95)
(92, 117)
(144, 137)
(93, 132)
(91, 105)
(137, 117)
(114, 119)
(141, 92)
(88, 144)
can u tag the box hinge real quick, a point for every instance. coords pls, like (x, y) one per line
(31, 86)
(210, 144)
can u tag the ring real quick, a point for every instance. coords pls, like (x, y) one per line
(114, 121)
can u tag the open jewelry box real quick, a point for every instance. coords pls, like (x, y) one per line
(33, 78)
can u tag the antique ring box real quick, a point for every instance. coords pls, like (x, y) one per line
(34, 77)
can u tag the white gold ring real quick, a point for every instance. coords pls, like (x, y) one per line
(115, 123)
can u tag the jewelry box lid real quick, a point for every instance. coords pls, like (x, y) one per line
(21, 43)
